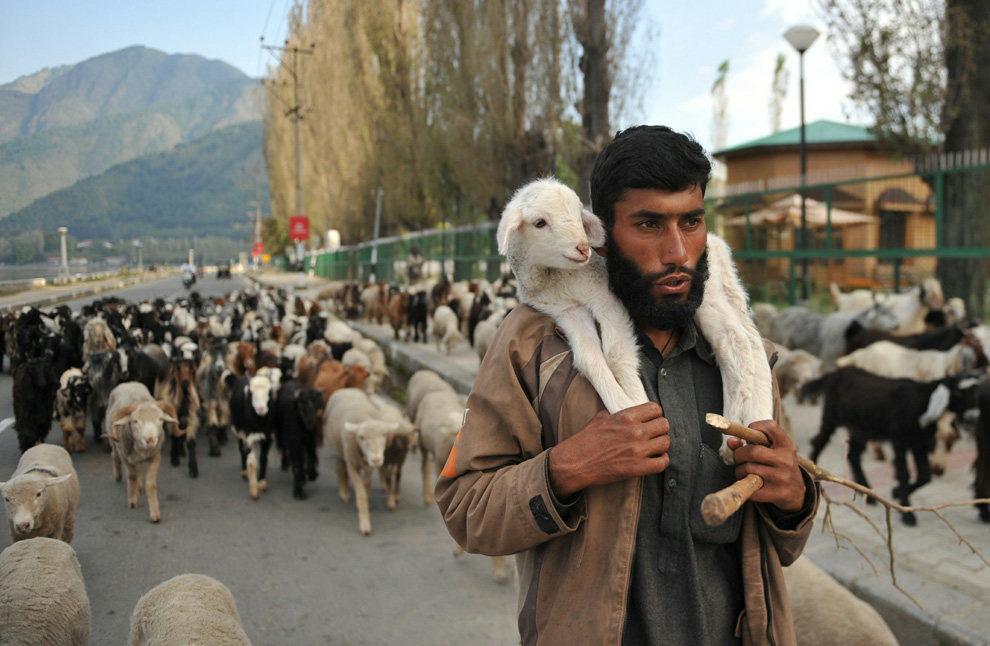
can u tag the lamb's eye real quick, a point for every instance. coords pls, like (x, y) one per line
(39, 494)
(539, 224)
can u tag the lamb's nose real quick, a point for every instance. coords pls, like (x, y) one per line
(583, 249)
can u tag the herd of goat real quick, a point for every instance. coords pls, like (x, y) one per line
(269, 369)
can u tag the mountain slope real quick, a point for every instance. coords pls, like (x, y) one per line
(128, 79)
(198, 189)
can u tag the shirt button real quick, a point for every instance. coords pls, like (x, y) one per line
(672, 483)
(663, 372)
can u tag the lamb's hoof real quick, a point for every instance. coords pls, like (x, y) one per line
(390, 505)
(909, 519)
(263, 485)
(131, 505)
(156, 519)
(365, 531)
(253, 492)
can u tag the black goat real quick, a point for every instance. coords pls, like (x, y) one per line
(982, 464)
(903, 412)
(418, 315)
(103, 372)
(34, 390)
(297, 429)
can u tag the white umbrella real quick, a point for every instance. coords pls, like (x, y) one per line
(787, 211)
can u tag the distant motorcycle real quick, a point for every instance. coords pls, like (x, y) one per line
(188, 279)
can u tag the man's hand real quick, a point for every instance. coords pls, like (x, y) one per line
(632, 442)
(777, 464)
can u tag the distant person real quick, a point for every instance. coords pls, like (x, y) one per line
(414, 265)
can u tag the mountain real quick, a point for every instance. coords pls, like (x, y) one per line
(64, 124)
(199, 189)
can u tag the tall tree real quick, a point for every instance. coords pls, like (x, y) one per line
(920, 69)
(778, 91)
(720, 106)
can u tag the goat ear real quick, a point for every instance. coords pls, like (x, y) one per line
(937, 403)
(509, 224)
(593, 228)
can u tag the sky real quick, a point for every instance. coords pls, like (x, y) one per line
(694, 38)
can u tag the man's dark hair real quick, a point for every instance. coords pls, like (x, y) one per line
(646, 157)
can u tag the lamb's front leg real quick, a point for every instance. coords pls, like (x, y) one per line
(151, 486)
(619, 344)
(582, 335)
(360, 498)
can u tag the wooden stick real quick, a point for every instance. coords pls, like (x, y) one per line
(717, 507)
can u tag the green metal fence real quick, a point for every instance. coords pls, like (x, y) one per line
(863, 229)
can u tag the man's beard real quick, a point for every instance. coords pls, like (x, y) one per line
(635, 290)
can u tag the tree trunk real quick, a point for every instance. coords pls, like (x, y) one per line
(967, 55)
(591, 29)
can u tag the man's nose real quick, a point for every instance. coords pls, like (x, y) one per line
(674, 251)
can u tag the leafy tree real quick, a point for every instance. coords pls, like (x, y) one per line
(920, 69)
(778, 91)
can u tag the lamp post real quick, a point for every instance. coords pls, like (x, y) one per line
(63, 270)
(801, 37)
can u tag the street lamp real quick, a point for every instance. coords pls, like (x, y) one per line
(801, 37)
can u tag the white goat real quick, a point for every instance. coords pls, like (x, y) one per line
(888, 359)
(547, 236)
(910, 307)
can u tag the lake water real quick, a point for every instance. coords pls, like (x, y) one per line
(47, 270)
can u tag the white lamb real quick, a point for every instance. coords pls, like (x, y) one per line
(357, 436)
(42, 494)
(187, 609)
(43, 596)
(547, 235)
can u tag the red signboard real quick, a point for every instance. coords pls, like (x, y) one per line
(259, 250)
(299, 227)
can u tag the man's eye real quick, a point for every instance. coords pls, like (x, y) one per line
(539, 224)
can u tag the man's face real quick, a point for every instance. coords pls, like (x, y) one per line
(656, 257)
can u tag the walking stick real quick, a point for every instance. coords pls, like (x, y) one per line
(717, 507)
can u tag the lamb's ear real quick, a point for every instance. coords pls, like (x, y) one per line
(511, 221)
(593, 227)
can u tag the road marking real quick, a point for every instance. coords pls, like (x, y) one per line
(5, 424)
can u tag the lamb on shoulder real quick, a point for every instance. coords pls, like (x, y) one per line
(547, 235)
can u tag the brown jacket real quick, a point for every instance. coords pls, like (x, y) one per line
(574, 572)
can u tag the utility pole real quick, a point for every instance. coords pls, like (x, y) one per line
(256, 203)
(295, 113)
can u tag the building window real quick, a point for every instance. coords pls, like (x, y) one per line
(892, 232)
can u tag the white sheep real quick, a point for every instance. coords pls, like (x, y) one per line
(446, 328)
(357, 436)
(546, 235)
(828, 614)
(134, 425)
(375, 354)
(43, 596)
(894, 361)
(421, 383)
(484, 332)
(439, 417)
(42, 494)
(187, 609)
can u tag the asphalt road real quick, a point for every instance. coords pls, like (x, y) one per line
(300, 571)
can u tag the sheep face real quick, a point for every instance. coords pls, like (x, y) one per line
(372, 439)
(145, 425)
(547, 220)
(25, 498)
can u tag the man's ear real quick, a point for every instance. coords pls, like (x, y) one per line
(509, 224)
